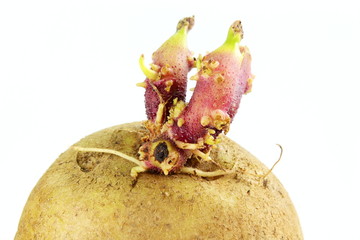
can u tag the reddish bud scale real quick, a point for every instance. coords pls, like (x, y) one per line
(165, 90)
(216, 95)
(173, 62)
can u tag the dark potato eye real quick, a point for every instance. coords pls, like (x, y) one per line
(161, 152)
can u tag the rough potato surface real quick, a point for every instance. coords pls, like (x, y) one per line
(92, 196)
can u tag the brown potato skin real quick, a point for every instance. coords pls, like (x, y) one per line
(92, 196)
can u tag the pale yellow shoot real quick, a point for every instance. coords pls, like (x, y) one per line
(148, 72)
(235, 35)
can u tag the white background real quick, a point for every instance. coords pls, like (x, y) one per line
(69, 68)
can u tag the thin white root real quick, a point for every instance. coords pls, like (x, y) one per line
(204, 156)
(263, 176)
(136, 170)
(110, 151)
(270, 170)
(200, 173)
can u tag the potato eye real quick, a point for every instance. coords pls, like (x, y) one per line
(161, 152)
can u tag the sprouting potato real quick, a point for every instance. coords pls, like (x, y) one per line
(175, 175)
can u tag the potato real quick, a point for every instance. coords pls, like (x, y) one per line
(92, 196)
